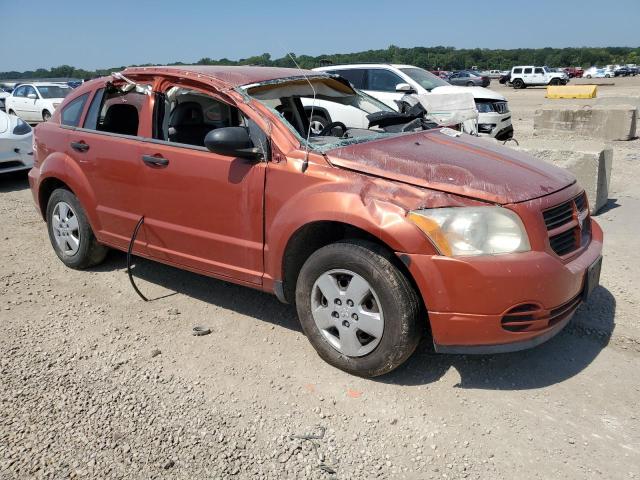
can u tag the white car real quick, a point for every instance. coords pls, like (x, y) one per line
(36, 102)
(3, 96)
(595, 72)
(16, 139)
(389, 83)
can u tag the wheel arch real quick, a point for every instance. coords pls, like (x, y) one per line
(314, 235)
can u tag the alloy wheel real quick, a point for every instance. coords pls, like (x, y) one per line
(65, 228)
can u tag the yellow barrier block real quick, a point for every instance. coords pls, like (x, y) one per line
(572, 91)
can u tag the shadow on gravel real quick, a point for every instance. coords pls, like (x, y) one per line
(562, 357)
(14, 181)
(243, 300)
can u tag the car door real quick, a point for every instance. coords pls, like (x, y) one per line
(204, 211)
(17, 102)
(31, 105)
(381, 84)
(538, 77)
(107, 149)
(527, 75)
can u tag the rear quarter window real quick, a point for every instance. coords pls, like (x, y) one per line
(355, 76)
(517, 70)
(73, 111)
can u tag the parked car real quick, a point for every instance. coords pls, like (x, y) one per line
(595, 72)
(443, 74)
(4, 93)
(530, 76)
(15, 144)
(374, 234)
(493, 73)
(36, 102)
(574, 72)
(467, 78)
(390, 83)
(505, 79)
(621, 72)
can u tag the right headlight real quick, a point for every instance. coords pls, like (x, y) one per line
(460, 231)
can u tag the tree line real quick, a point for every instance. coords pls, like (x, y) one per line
(431, 58)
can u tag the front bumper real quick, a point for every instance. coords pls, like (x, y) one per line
(496, 125)
(467, 298)
(15, 153)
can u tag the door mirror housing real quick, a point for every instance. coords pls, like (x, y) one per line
(232, 142)
(404, 88)
(32, 96)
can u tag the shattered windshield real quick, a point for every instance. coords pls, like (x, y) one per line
(426, 80)
(327, 111)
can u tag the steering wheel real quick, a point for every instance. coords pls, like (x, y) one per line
(327, 129)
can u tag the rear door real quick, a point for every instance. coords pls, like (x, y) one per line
(203, 211)
(107, 148)
(538, 77)
(527, 75)
(17, 102)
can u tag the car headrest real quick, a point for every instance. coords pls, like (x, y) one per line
(121, 118)
(187, 113)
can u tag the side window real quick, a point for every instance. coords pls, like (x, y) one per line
(186, 116)
(540, 70)
(29, 90)
(19, 92)
(381, 80)
(115, 112)
(72, 112)
(517, 70)
(528, 70)
(355, 76)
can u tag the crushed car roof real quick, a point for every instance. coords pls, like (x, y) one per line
(232, 76)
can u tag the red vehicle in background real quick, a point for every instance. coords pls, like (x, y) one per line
(443, 74)
(574, 72)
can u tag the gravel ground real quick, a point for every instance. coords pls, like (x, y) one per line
(98, 384)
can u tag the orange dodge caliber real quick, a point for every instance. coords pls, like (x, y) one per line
(378, 226)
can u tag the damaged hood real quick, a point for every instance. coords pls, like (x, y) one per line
(464, 165)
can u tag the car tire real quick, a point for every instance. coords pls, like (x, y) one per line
(70, 232)
(588, 76)
(11, 112)
(366, 349)
(518, 83)
(555, 81)
(470, 84)
(318, 122)
(46, 115)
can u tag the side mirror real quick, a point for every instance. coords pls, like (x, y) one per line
(404, 88)
(232, 142)
(32, 96)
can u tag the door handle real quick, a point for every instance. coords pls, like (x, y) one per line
(79, 146)
(155, 162)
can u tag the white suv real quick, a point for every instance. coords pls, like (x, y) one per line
(389, 83)
(529, 76)
(36, 102)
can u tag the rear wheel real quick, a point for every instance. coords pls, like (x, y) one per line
(11, 112)
(588, 76)
(518, 83)
(70, 233)
(358, 310)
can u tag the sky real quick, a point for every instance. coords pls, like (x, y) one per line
(90, 34)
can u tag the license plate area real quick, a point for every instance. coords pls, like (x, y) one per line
(592, 278)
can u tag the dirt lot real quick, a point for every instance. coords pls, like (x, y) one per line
(96, 383)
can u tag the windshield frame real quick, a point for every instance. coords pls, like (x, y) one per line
(319, 147)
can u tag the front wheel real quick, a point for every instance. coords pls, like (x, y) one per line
(46, 115)
(358, 310)
(70, 233)
(518, 83)
(317, 124)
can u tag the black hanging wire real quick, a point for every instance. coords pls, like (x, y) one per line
(133, 239)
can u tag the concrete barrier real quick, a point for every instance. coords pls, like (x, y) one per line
(572, 91)
(617, 122)
(631, 100)
(590, 162)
